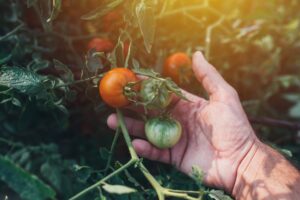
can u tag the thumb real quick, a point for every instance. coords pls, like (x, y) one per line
(146, 150)
(213, 83)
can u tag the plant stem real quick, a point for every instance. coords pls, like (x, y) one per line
(157, 187)
(11, 32)
(126, 135)
(144, 170)
(112, 148)
(79, 81)
(179, 195)
(128, 164)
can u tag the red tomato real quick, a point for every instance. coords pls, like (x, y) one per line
(178, 67)
(101, 45)
(112, 86)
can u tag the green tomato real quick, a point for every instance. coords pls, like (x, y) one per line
(155, 94)
(163, 132)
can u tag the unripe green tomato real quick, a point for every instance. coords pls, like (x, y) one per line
(155, 94)
(163, 132)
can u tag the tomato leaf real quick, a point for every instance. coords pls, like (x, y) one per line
(55, 10)
(102, 10)
(175, 89)
(94, 60)
(21, 79)
(26, 185)
(198, 175)
(218, 195)
(66, 74)
(295, 111)
(146, 72)
(146, 20)
(30, 3)
(118, 189)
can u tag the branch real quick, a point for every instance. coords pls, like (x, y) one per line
(11, 32)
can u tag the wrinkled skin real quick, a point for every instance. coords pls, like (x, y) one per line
(216, 132)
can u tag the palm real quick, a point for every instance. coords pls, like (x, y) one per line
(213, 139)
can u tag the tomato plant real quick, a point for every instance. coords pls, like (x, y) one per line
(178, 67)
(49, 86)
(113, 86)
(163, 132)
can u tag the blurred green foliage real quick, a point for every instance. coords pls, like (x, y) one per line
(52, 132)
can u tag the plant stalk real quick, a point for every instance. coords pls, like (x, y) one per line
(128, 164)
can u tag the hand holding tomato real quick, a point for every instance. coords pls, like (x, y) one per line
(216, 135)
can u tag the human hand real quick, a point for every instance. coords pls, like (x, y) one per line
(216, 133)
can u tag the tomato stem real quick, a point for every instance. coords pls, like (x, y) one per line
(128, 164)
(112, 149)
(126, 135)
(79, 81)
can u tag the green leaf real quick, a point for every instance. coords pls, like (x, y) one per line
(83, 173)
(30, 3)
(104, 153)
(295, 111)
(219, 195)
(175, 89)
(21, 79)
(146, 19)
(292, 97)
(94, 60)
(28, 186)
(38, 64)
(16, 102)
(136, 64)
(198, 175)
(52, 173)
(102, 10)
(5, 59)
(56, 4)
(146, 72)
(66, 73)
(118, 189)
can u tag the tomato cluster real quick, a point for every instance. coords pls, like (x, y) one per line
(120, 86)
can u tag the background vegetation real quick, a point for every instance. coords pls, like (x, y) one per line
(54, 141)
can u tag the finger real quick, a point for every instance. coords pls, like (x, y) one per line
(146, 150)
(214, 84)
(134, 127)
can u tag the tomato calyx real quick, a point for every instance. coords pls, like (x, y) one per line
(156, 92)
(130, 91)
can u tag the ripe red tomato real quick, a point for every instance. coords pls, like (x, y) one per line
(101, 45)
(112, 86)
(178, 67)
